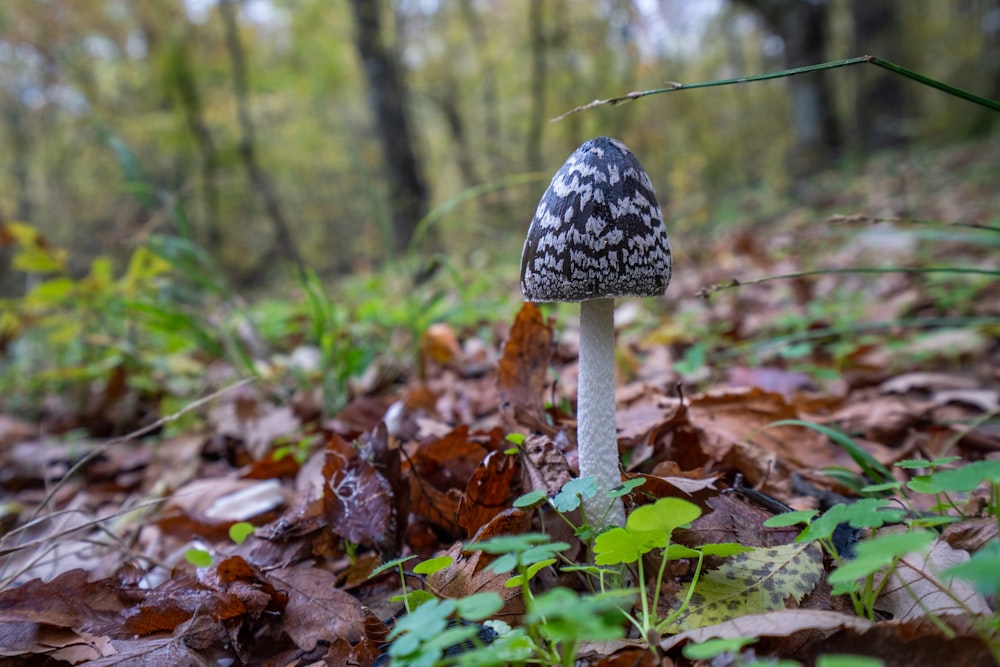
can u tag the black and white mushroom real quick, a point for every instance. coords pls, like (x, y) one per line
(597, 234)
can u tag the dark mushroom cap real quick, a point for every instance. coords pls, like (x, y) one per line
(598, 231)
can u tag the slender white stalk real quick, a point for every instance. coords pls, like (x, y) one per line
(596, 436)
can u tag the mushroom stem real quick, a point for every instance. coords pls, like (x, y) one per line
(596, 436)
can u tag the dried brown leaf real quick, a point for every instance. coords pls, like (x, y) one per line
(545, 464)
(971, 534)
(357, 499)
(523, 370)
(468, 574)
(317, 609)
(448, 462)
(491, 489)
(732, 520)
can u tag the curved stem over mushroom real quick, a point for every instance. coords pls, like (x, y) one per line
(596, 436)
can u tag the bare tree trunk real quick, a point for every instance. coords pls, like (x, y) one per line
(20, 150)
(802, 26)
(984, 120)
(180, 78)
(492, 131)
(408, 194)
(488, 78)
(539, 75)
(447, 102)
(880, 104)
(284, 244)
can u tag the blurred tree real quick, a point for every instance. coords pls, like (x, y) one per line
(802, 26)
(989, 27)
(284, 248)
(115, 115)
(880, 108)
(388, 98)
(178, 74)
(538, 45)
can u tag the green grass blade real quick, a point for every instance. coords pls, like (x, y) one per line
(934, 83)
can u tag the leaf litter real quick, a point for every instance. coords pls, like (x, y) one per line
(92, 553)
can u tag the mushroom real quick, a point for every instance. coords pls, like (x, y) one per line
(597, 234)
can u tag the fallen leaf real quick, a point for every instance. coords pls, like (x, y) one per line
(778, 380)
(439, 345)
(546, 466)
(751, 583)
(915, 589)
(247, 417)
(523, 371)
(971, 534)
(317, 609)
(926, 382)
(151, 652)
(357, 499)
(740, 419)
(780, 623)
(732, 520)
(491, 489)
(468, 574)
(449, 461)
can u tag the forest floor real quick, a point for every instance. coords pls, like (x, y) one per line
(123, 551)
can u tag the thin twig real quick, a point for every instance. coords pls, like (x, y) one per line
(706, 292)
(861, 218)
(860, 60)
(47, 541)
(149, 428)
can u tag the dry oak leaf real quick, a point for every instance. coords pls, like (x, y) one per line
(317, 610)
(752, 582)
(468, 574)
(523, 370)
(737, 418)
(490, 491)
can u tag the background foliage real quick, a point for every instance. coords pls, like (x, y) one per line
(120, 116)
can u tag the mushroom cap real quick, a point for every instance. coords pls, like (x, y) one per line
(598, 231)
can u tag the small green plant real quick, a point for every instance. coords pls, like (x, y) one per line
(647, 528)
(238, 533)
(448, 632)
(864, 569)
(149, 328)
(298, 450)
(198, 557)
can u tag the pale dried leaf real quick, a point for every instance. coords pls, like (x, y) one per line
(915, 589)
(781, 623)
